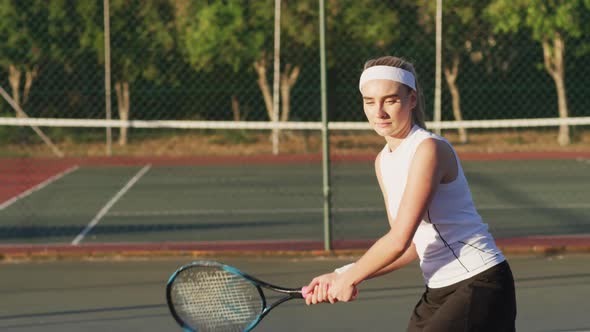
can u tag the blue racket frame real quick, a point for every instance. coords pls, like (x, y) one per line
(291, 293)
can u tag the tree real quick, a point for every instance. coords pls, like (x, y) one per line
(551, 23)
(141, 34)
(32, 33)
(21, 45)
(465, 35)
(239, 33)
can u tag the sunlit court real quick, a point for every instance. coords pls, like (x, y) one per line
(266, 201)
(308, 165)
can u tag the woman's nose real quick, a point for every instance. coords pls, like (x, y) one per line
(381, 112)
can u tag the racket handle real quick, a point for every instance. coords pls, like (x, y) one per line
(304, 291)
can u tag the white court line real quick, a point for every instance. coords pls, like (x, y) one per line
(110, 204)
(209, 212)
(37, 187)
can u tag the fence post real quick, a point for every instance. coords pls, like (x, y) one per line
(438, 74)
(325, 133)
(276, 78)
(107, 75)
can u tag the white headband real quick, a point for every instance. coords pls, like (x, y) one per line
(388, 73)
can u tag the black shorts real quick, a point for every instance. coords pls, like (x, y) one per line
(484, 302)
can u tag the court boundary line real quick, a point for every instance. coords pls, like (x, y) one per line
(105, 209)
(38, 187)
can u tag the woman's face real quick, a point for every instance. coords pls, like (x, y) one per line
(388, 106)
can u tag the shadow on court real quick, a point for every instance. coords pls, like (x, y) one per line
(40, 231)
(82, 312)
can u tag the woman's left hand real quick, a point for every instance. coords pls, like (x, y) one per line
(341, 290)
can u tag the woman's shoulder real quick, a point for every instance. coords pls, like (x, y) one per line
(436, 147)
(428, 145)
(421, 135)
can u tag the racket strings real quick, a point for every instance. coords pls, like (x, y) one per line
(212, 299)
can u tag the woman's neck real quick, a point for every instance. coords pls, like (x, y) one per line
(393, 141)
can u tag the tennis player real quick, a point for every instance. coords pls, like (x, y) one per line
(469, 284)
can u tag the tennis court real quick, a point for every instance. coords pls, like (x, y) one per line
(553, 295)
(219, 203)
(143, 202)
(137, 136)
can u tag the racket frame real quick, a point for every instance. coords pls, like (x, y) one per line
(290, 293)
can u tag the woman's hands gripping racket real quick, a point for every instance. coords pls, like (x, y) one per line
(328, 288)
(209, 296)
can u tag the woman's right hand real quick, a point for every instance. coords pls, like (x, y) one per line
(317, 290)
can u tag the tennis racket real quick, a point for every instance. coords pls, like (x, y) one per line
(208, 296)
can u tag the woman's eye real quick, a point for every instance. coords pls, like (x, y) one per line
(390, 101)
(369, 103)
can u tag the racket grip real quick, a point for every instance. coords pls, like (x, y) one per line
(304, 291)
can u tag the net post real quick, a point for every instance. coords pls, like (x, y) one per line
(325, 133)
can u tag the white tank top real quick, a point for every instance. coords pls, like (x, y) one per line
(452, 241)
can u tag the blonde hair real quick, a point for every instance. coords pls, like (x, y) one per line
(418, 115)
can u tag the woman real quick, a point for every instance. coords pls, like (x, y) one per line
(469, 284)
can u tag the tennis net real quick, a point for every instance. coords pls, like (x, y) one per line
(298, 137)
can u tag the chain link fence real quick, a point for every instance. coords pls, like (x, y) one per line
(213, 61)
(197, 78)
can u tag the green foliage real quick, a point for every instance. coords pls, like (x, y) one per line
(299, 23)
(371, 22)
(92, 29)
(543, 18)
(506, 15)
(234, 137)
(207, 44)
(464, 29)
(9, 135)
(238, 32)
(22, 44)
(141, 34)
(33, 32)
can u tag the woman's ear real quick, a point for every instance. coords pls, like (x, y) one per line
(413, 98)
